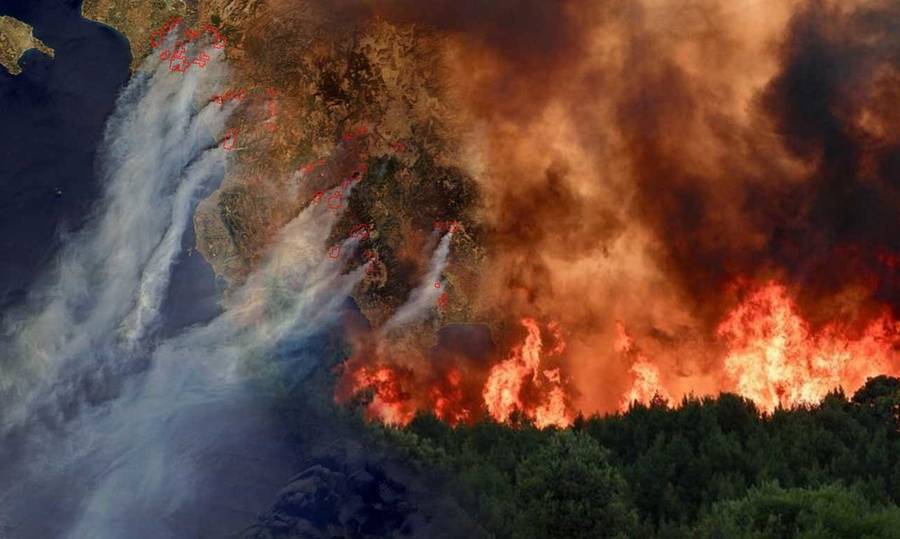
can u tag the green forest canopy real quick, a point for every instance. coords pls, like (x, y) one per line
(711, 467)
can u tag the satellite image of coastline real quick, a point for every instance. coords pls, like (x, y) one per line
(438, 269)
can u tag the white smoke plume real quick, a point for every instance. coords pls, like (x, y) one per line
(158, 149)
(178, 430)
(156, 273)
(193, 409)
(423, 297)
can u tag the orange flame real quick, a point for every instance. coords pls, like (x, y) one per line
(507, 381)
(646, 385)
(771, 356)
(528, 381)
(553, 410)
(775, 359)
(389, 402)
(448, 398)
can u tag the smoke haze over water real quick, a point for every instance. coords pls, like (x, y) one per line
(113, 429)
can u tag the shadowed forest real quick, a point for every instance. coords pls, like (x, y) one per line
(710, 468)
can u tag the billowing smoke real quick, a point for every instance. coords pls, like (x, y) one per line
(656, 166)
(108, 282)
(117, 430)
(156, 273)
(189, 434)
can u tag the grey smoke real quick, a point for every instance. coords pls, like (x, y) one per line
(158, 149)
(180, 430)
(423, 297)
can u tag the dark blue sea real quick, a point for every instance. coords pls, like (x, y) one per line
(52, 117)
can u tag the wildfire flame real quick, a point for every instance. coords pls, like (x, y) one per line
(646, 385)
(771, 356)
(506, 383)
(523, 382)
(448, 397)
(389, 401)
(775, 358)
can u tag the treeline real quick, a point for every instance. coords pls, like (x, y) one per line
(709, 468)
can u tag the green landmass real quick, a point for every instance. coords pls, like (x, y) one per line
(709, 468)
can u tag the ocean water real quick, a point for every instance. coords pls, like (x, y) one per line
(122, 415)
(51, 120)
(52, 117)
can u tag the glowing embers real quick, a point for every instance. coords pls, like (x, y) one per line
(518, 384)
(774, 358)
(230, 140)
(231, 95)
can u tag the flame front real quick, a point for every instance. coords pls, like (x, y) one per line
(774, 358)
(769, 354)
(503, 391)
(646, 384)
(529, 381)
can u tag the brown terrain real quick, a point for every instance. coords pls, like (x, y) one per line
(15, 38)
(323, 100)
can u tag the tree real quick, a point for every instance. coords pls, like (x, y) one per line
(881, 394)
(567, 488)
(830, 512)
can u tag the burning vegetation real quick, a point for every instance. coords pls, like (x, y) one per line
(704, 200)
(771, 355)
(528, 382)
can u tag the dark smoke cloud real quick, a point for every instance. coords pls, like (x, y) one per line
(529, 43)
(824, 228)
(841, 71)
(528, 32)
(648, 162)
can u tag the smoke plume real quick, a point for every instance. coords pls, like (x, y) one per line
(654, 166)
(124, 432)
(423, 297)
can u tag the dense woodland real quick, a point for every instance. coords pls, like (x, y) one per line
(709, 468)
